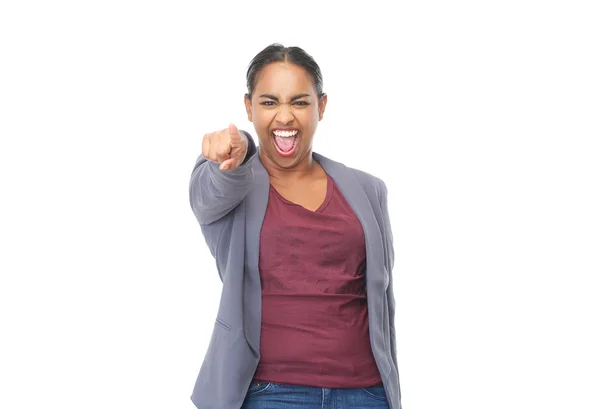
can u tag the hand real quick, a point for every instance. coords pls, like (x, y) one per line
(227, 147)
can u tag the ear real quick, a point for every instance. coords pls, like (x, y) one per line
(248, 105)
(322, 105)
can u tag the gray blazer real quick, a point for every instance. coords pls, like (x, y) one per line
(230, 207)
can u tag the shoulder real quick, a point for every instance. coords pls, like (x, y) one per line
(370, 182)
(374, 186)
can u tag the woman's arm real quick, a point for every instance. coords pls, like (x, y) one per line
(389, 238)
(215, 192)
(389, 253)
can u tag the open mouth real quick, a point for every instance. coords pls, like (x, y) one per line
(286, 141)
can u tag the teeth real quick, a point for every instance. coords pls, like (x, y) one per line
(285, 134)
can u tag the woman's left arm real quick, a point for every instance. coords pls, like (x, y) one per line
(388, 240)
(387, 228)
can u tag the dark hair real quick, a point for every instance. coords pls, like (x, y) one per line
(277, 52)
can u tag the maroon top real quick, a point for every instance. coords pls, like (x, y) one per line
(315, 328)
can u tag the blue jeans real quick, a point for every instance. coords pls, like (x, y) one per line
(268, 395)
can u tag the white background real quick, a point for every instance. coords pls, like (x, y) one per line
(481, 117)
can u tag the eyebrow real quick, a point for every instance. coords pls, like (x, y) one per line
(277, 99)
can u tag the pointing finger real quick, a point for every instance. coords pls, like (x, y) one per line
(234, 133)
(206, 146)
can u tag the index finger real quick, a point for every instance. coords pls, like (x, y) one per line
(206, 146)
(234, 133)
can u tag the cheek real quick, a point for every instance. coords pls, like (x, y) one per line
(310, 118)
(262, 123)
(263, 118)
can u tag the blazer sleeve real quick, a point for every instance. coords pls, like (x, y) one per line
(389, 252)
(388, 236)
(214, 192)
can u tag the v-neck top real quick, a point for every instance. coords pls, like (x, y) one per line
(326, 201)
(315, 328)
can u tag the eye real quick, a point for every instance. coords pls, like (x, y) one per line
(267, 103)
(301, 103)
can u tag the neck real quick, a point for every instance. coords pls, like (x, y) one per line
(306, 167)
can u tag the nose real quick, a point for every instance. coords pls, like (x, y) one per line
(284, 115)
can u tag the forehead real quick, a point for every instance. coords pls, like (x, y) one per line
(284, 79)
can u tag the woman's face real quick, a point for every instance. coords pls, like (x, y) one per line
(284, 99)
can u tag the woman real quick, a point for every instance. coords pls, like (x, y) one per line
(304, 250)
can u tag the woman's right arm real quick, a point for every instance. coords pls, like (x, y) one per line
(214, 191)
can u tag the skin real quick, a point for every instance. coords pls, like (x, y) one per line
(298, 178)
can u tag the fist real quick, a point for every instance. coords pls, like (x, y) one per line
(227, 147)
